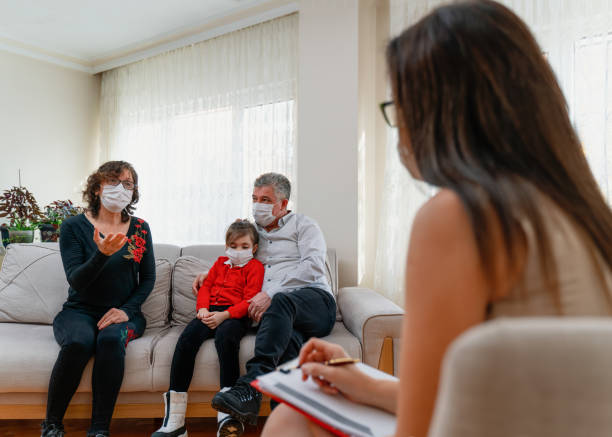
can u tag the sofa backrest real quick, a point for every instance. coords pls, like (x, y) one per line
(170, 252)
(210, 253)
(33, 285)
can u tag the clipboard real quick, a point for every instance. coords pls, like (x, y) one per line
(334, 413)
(322, 424)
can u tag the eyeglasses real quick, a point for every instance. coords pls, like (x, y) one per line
(128, 185)
(389, 112)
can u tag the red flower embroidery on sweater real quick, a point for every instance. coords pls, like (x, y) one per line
(137, 244)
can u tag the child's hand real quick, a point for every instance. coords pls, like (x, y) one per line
(215, 318)
(202, 313)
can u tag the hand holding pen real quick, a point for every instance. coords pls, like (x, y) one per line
(332, 362)
(344, 378)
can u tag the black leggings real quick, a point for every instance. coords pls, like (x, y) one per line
(77, 334)
(227, 341)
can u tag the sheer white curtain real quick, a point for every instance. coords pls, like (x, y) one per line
(201, 123)
(576, 38)
(402, 196)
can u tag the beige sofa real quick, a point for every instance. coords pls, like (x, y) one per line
(33, 288)
(528, 377)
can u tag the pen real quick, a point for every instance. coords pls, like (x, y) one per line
(332, 362)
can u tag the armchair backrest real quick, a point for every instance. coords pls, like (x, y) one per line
(544, 377)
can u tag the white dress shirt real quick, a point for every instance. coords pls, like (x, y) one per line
(293, 255)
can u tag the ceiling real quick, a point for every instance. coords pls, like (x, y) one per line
(95, 35)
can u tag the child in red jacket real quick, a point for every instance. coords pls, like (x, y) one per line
(222, 304)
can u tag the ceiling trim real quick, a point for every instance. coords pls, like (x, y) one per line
(196, 38)
(93, 67)
(41, 55)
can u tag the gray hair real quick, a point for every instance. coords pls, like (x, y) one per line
(280, 183)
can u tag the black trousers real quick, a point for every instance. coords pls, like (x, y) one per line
(77, 334)
(227, 341)
(292, 318)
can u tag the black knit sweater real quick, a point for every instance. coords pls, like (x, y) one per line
(99, 282)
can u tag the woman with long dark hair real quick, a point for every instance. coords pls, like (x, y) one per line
(519, 226)
(108, 257)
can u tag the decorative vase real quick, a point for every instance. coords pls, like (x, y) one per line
(4, 235)
(21, 236)
(49, 233)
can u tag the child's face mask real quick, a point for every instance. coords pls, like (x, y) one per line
(239, 257)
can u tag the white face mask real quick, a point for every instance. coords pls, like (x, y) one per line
(239, 257)
(115, 198)
(262, 213)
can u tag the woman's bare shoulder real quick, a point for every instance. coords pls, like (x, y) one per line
(442, 215)
(443, 224)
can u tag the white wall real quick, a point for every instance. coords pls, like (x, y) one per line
(328, 124)
(48, 127)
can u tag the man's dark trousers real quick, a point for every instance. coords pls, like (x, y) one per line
(292, 318)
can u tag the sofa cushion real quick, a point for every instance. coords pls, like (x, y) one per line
(29, 352)
(342, 336)
(206, 370)
(156, 308)
(33, 284)
(184, 272)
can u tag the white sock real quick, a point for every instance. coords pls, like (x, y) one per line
(220, 415)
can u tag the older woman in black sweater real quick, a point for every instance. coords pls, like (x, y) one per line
(108, 258)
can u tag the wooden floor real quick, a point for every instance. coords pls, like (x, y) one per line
(205, 427)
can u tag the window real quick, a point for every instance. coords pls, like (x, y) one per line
(199, 124)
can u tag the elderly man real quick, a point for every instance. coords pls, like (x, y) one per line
(296, 301)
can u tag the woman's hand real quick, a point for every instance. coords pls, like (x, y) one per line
(346, 379)
(109, 244)
(215, 318)
(202, 313)
(197, 283)
(317, 350)
(112, 316)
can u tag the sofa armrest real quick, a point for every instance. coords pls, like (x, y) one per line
(375, 321)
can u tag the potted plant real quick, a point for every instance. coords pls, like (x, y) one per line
(20, 207)
(4, 235)
(55, 213)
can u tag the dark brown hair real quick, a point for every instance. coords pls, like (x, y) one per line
(239, 229)
(487, 119)
(110, 169)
